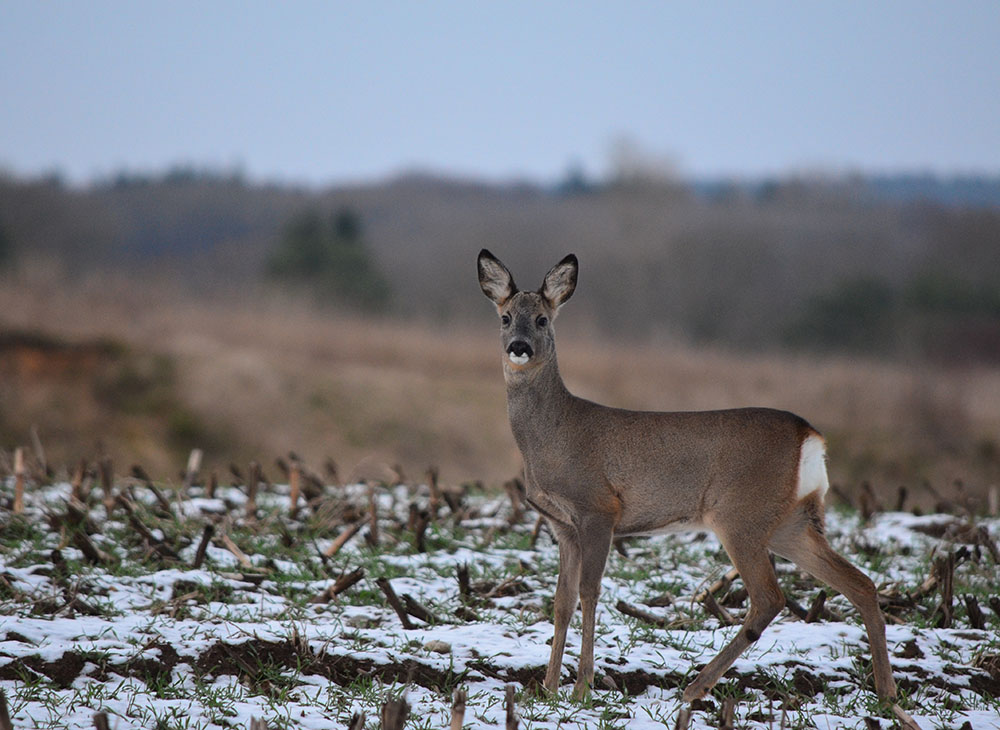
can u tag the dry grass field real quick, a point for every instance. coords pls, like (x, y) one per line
(251, 376)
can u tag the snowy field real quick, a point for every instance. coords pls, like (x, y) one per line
(155, 643)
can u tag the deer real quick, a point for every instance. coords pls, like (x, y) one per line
(755, 477)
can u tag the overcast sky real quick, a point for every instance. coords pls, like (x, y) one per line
(334, 91)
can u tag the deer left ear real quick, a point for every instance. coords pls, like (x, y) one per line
(560, 282)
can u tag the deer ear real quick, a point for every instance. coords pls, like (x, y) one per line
(495, 280)
(560, 282)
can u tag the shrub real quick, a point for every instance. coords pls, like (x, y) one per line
(857, 314)
(331, 258)
(6, 249)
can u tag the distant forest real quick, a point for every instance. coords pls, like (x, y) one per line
(894, 266)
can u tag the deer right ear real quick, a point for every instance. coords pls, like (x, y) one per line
(495, 280)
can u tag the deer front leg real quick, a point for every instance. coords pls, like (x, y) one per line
(567, 590)
(595, 533)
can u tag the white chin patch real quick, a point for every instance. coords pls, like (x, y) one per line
(518, 359)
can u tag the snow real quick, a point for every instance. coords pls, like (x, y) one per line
(510, 637)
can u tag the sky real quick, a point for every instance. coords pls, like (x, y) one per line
(332, 92)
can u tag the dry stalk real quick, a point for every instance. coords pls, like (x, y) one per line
(90, 551)
(454, 498)
(193, 467)
(394, 602)
(175, 604)
(995, 605)
(925, 588)
(728, 712)
(137, 525)
(945, 568)
(870, 504)
(394, 714)
(683, 719)
(5, 723)
(213, 484)
(18, 480)
(508, 702)
(206, 535)
(537, 530)
(432, 485)
(713, 607)
(421, 520)
(901, 499)
(464, 589)
(81, 482)
(331, 472)
(372, 536)
(640, 614)
(501, 588)
(340, 585)
(515, 489)
(984, 539)
(241, 556)
(458, 700)
(418, 610)
(816, 609)
(718, 586)
(139, 473)
(294, 487)
(976, 619)
(342, 539)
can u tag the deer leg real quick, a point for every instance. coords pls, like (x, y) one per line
(766, 600)
(596, 532)
(567, 590)
(802, 543)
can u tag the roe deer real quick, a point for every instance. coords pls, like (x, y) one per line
(756, 477)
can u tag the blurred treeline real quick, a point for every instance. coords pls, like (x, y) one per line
(847, 264)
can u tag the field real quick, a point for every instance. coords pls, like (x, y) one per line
(252, 375)
(107, 604)
(202, 605)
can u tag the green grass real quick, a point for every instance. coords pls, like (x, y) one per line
(286, 557)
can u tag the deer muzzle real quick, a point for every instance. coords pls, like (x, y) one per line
(519, 352)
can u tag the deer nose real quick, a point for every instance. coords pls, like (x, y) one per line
(520, 348)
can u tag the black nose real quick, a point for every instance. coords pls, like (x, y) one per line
(519, 347)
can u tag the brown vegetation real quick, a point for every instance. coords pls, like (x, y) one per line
(253, 377)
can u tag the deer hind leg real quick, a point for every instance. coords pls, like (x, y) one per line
(753, 562)
(801, 540)
(596, 533)
(567, 591)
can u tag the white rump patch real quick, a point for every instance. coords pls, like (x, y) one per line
(812, 467)
(518, 359)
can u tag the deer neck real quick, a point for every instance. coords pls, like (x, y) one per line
(537, 402)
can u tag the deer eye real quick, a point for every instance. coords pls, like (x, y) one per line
(505, 319)
(542, 321)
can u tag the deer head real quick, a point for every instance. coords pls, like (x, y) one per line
(526, 318)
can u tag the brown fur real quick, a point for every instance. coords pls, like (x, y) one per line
(596, 472)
